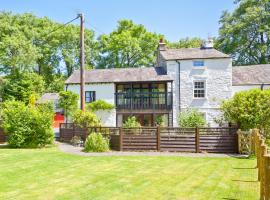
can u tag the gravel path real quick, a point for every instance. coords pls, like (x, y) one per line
(67, 148)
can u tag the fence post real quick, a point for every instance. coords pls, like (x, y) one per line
(262, 170)
(121, 139)
(158, 138)
(267, 177)
(253, 145)
(197, 140)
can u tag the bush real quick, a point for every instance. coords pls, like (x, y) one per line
(191, 118)
(85, 119)
(27, 126)
(100, 105)
(249, 109)
(95, 142)
(131, 122)
(68, 101)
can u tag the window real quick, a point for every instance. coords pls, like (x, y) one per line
(198, 63)
(199, 89)
(90, 96)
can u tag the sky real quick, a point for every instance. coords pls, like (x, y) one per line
(174, 19)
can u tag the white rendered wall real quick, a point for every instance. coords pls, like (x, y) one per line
(218, 77)
(103, 92)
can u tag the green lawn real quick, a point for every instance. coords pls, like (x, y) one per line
(51, 174)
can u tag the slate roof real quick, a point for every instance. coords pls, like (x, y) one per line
(142, 74)
(192, 53)
(48, 97)
(251, 74)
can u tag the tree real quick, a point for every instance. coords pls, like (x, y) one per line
(20, 86)
(191, 118)
(186, 43)
(85, 119)
(68, 101)
(27, 126)
(249, 109)
(245, 33)
(32, 44)
(130, 45)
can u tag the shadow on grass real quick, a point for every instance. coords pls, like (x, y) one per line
(6, 146)
(230, 198)
(244, 167)
(245, 181)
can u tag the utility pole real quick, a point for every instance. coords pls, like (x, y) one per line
(82, 75)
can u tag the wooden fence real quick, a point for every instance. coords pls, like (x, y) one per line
(260, 149)
(214, 140)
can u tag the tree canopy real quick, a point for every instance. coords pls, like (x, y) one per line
(130, 45)
(245, 33)
(194, 42)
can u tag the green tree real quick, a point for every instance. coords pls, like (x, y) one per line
(68, 101)
(245, 33)
(32, 44)
(249, 109)
(191, 118)
(20, 86)
(130, 45)
(186, 43)
(27, 126)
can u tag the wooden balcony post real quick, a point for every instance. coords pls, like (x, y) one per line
(158, 138)
(197, 140)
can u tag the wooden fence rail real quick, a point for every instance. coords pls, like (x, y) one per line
(260, 149)
(216, 140)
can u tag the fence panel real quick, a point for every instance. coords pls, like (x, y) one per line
(2, 136)
(139, 139)
(218, 140)
(178, 139)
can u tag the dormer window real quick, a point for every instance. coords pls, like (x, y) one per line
(198, 63)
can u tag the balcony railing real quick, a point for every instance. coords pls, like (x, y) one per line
(143, 100)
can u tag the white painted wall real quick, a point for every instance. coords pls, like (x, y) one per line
(239, 88)
(218, 77)
(103, 92)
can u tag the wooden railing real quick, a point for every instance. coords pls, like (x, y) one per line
(143, 100)
(260, 149)
(214, 140)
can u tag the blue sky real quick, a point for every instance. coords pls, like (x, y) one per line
(173, 18)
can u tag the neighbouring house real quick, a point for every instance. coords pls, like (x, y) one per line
(198, 78)
(250, 77)
(54, 98)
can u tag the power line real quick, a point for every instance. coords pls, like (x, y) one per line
(56, 29)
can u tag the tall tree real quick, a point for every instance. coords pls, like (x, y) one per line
(29, 43)
(245, 33)
(186, 43)
(130, 45)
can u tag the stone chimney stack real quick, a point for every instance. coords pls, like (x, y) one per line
(208, 44)
(161, 47)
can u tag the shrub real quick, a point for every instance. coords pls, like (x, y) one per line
(27, 126)
(249, 109)
(95, 142)
(160, 120)
(100, 105)
(131, 122)
(76, 140)
(191, 118)
(68, 101)
(85, 119)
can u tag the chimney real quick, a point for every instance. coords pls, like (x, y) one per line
(208, 44)
(161, 45)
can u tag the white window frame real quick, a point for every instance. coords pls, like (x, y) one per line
(205, 96)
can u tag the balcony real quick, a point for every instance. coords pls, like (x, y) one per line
(143, 100)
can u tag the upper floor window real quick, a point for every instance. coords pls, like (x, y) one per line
(90, 96)
(199, 89)
(198, 63)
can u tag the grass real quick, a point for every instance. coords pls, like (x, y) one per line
(50, 174)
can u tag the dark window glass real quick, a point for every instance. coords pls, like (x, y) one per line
(199, 89)
(90, 96)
